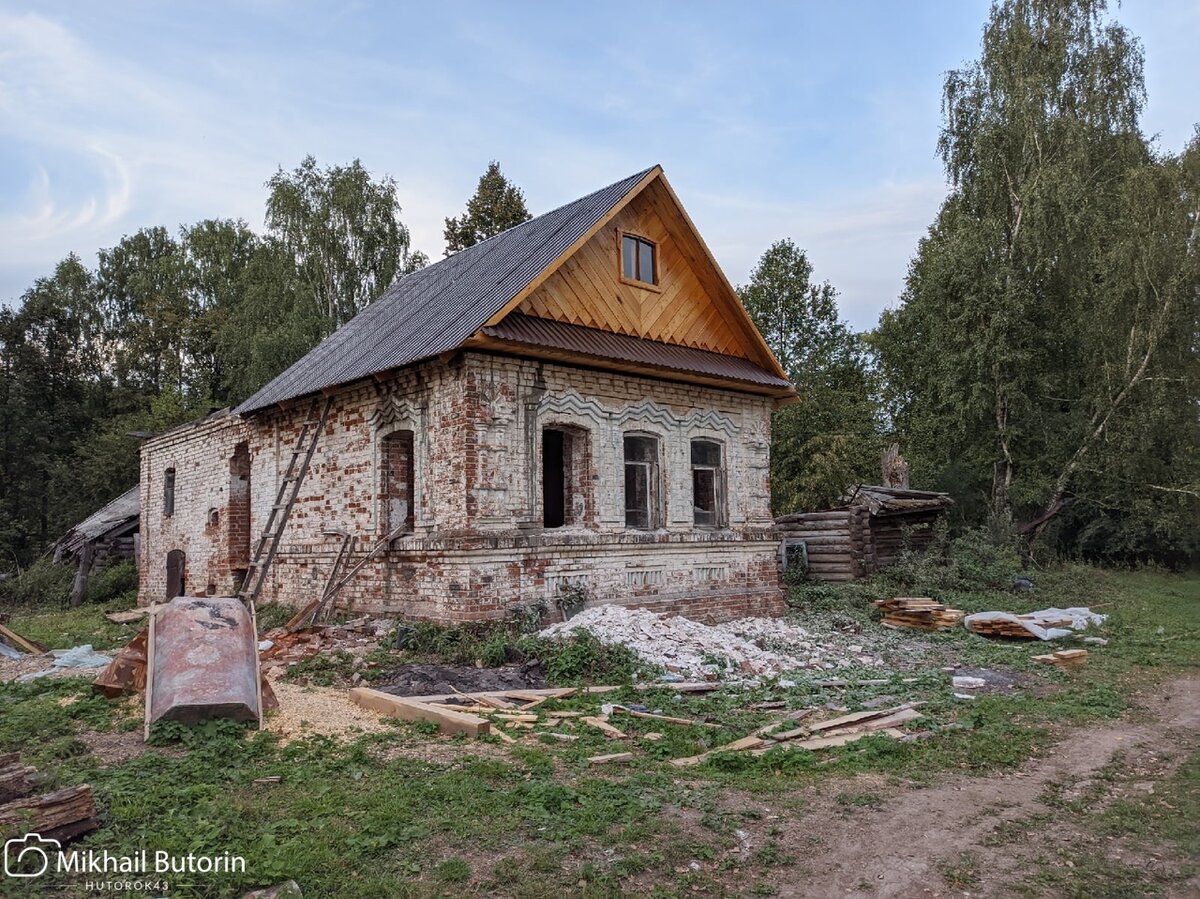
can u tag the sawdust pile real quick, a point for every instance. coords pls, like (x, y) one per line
(323, 711)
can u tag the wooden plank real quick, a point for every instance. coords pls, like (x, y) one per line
(686, 722)
(448, 722)
(602, 725)
(858, 717)
(741, 745)
(15, 639)
(610, 758)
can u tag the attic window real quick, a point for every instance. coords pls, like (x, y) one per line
(639, 260)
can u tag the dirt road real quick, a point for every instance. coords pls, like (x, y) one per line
(909, 844)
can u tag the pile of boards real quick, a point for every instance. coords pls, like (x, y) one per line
(1013, 626)
(61, 815)
(795, 731)
(918, 612)
(1066, 659)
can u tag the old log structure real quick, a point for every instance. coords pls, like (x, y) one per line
(868, 532)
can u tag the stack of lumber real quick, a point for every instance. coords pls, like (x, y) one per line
(1066, 659)
(61, 815)
(1001, 627)
(816, 735)
(918, 612)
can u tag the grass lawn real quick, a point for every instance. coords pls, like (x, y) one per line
(404, 813)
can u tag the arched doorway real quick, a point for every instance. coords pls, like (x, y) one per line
(176, 565)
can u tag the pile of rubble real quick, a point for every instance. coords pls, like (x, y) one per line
(280, 648)
(747, 647)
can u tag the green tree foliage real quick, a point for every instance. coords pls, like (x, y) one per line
(1049, 319)
(497, 205)
(171, 327)
(342, 230)
(831, 438)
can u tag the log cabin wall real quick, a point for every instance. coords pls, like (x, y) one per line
(835, 541)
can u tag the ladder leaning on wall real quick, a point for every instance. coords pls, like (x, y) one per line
(289, 489)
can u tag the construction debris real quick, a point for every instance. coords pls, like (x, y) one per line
(130, 617)
(746, 648)
(1066, 659)
(16, 779)
(918, 612)
(126, 673)
(1047, 624)
(357, 637)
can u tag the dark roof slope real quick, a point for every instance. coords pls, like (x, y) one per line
(582, 342)
(120, 513)
(437, 308)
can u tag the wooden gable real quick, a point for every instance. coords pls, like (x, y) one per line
(691, 305)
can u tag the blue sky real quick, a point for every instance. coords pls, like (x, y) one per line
(803, 120)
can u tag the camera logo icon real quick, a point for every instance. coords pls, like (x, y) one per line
(29, 856)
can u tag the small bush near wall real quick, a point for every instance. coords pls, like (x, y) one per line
(115, 584)
(42, 583)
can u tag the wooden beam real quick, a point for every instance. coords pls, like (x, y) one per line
(449, 722)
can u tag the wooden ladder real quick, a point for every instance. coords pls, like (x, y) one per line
(289, 489)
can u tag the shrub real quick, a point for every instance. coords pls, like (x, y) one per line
(114, 582)
(42, 583)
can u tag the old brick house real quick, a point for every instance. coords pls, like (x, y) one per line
(580, 401)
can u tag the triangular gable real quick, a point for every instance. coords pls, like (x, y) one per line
(692, 305)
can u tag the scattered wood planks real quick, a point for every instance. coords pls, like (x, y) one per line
(1066, 659)
(1003, 627)
(448, 721)
(918, 612)
(819, 734)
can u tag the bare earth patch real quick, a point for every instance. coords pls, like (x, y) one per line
(865, 836)
(324, 711)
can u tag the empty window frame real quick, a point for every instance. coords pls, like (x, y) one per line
(708, 484)
(642, 482)
(639, 259)
(556, 475)
(168, 493)
(397, 481)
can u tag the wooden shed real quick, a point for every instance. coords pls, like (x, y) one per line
(867, 532)
(107, 534)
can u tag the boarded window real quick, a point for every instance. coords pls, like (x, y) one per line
(642, 482)
(397, 482)
(638, 259)
(168, 493)
(708, 484)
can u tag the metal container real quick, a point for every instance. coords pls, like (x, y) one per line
(202, 662)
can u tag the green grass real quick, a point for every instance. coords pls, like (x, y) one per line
(61, 627)
(370, 818)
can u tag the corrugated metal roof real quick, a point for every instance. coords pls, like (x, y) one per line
(582, 341)
(435, 309)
